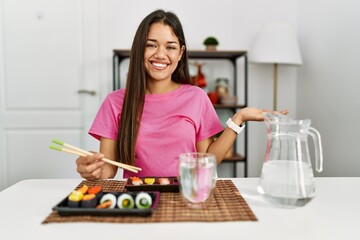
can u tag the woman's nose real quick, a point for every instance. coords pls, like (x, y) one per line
(160, 52)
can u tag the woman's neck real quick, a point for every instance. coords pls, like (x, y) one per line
(160, 87)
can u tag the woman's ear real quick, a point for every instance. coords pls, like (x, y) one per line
(181, 52)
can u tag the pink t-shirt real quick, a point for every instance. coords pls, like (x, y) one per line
(171, 124)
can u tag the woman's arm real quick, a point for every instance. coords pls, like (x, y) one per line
(219, 147)
(108, 147)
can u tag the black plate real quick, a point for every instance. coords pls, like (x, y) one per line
(156, 186)
(64, 210)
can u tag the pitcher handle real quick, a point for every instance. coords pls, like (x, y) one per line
(318, 149)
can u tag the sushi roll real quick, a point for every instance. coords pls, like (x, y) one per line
(89, 201)
(149, 181)
(107, 201)
(125, 201)
(74, 199)
(136, 181)
(163, 181)
(143, 200)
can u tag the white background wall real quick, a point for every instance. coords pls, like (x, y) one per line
(329, 81)
(324, 89)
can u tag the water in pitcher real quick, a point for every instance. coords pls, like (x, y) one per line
(287, 183)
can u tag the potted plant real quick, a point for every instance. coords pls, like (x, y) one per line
(211, 43)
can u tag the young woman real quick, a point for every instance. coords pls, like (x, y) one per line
(159, 114)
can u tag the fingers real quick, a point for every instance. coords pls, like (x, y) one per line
(90, 167)
(282, 112)
(96, 174)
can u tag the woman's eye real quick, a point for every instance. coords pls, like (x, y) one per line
(171, 47)
(150, 45)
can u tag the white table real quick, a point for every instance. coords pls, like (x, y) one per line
(333, 214)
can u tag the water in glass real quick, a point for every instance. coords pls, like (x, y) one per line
(197, 177)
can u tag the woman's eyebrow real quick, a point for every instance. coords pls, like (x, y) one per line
(173, 42)
(168, 42)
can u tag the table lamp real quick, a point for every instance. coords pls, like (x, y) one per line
(276, 44)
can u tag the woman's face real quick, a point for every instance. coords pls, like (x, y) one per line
(162, 52)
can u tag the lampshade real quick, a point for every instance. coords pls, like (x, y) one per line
(276, 43)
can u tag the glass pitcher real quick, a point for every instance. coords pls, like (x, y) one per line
(287, 177)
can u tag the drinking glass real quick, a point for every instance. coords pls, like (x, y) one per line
(197, 177)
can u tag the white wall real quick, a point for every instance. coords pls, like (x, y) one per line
(329, 80)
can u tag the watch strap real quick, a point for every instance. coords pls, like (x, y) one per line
(234, 127)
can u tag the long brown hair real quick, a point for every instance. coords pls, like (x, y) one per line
(133, 105)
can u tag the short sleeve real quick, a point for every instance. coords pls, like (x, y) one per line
(107, 118)
(209, 122)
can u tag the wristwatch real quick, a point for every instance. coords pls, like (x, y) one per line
(235, 127)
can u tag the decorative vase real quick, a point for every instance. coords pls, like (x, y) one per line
(199, 80)
(214, 98)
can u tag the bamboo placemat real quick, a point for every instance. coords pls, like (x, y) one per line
(226, 204)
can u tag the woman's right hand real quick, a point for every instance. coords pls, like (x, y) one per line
(90, 167)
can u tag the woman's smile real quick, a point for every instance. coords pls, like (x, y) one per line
(159, 66)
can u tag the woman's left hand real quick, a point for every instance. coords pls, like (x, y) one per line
(253, 114)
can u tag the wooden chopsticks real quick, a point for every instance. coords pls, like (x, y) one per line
(83, 153)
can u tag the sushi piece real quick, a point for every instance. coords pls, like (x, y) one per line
(125, 201)
(163, 181)
(107, 201)
(84, 188)
(74, 199)
(143, 200)
(149, 181)
(136, 181)
(97, 190)
(89, 201)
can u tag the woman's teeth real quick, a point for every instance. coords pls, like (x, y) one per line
(160, 65)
